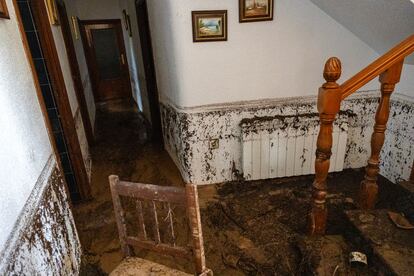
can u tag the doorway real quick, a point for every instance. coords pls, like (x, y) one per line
(149, 68)
(106, 59)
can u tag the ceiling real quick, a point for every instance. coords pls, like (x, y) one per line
(379, 23)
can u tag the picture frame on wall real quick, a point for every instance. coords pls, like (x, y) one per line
(255, 10)
(4, 12)
(53, 12)
(209, 25)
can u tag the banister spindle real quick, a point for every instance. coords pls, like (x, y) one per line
(369, 186)
(329, 100)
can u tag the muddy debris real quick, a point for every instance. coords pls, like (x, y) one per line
(250, 228)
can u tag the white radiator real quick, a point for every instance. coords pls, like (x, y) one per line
(285, 146)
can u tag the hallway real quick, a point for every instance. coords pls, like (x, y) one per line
(122, 148)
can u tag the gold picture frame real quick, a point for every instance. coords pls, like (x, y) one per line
(209, 25)
(255, 10)
(53, 12)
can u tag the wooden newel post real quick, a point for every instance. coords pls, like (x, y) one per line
(369, 187)
(329, 100)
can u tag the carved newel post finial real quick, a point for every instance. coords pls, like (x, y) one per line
(329, 100)
(332, 72)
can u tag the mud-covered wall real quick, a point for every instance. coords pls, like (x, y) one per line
(398, 151)
(188, 132)
(44, 240)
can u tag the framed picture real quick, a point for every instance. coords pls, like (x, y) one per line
(4, 13)
(53, 12)
(209, 25)
(255, 10)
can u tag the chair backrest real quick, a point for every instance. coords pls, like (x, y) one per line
(187, 197)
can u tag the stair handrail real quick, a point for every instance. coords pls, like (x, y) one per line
(388, 67)
(393, 56)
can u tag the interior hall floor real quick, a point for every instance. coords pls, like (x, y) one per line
(250, 228)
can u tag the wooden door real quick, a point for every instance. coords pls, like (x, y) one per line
(106, 58)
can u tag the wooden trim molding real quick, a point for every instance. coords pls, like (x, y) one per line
(4, 12)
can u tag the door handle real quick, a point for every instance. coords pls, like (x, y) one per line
(122, 59)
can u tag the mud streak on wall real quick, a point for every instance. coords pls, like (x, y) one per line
(48, 244)
(187, 133)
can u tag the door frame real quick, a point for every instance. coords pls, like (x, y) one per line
(149, 69)
(89, 54)
(59, 89)
(75, 71)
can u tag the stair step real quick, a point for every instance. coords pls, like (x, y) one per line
(392, 248)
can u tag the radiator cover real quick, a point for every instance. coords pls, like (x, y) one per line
(285, 146)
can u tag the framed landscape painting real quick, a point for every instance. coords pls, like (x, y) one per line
(255, 10)
(209, 25)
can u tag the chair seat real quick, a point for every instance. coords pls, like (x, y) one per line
(137, 266)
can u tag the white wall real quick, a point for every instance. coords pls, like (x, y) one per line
(406, 85)
(273, 59)
(24, 143)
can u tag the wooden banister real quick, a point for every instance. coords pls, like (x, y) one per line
(395, 55)
(388, 68)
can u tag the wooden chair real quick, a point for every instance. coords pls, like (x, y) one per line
(187, 197)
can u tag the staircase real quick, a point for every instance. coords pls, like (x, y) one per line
(391, 248)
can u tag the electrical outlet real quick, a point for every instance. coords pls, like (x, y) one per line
(214, 143)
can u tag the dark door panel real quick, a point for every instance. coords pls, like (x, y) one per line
(106, 59)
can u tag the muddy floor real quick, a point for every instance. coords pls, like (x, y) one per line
(250, 228)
